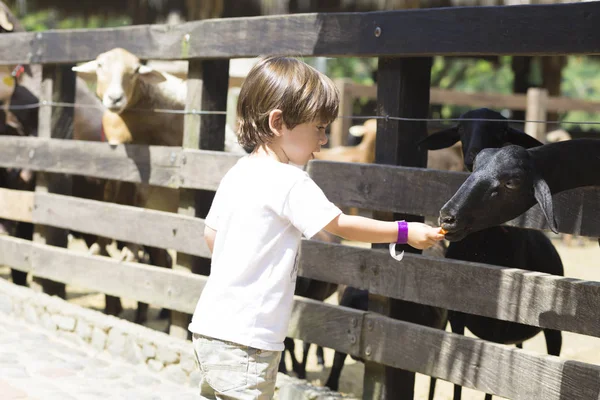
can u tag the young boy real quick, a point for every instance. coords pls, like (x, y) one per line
(261, 210)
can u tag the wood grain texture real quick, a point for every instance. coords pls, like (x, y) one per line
(489, 367)
(509, 294)
(16, 205)
(473, 363)
(445, 31)
(127, 223)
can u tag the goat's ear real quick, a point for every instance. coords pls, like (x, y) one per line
(522, 139)
(5, 21)
(150, 75)
(544, 198)
(89, 67)
(440, 140)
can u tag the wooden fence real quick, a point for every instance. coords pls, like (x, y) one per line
(404, 41)
(536, 103)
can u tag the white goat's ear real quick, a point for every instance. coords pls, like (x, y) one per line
(89, 67)
(357, 130)
(150, 75)
(5, 21)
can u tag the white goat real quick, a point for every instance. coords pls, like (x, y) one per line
(133, 93)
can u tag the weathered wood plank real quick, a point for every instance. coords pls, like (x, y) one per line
(424, 191)
(469, 362)
(505, 293)
(127, 223)
(203, 169)
(132, 163)
(486, 366)
(514, 29)
(509, 294)
(160, 166)
(480, 99)
(16, 205)
(397, 189)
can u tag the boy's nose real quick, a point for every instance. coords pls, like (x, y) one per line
(323, 140)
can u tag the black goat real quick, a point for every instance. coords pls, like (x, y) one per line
(507, 182)
(502, 246)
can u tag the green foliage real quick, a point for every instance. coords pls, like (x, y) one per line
(581, 80)
(49, 19)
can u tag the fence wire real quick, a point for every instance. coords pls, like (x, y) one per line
(362, 117)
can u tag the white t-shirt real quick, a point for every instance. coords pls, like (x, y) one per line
(260, 211)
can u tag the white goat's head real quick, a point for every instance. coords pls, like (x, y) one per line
(117, 73)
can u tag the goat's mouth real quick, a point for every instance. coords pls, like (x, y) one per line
(116, 108)
(454, 233)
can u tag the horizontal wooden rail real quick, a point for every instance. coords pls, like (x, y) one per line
(127, 223)
(509, 294)
(424, 191)
(474, 99)
(161, 166)
(504, 293)
(466, 31)
(377, 187)
(469, 362)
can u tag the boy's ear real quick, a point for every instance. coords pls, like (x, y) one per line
(276, 122)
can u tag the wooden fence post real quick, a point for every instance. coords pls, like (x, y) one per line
(58, 85)
(340, 127)
(537, 110)
(207, 85)
(403, 91)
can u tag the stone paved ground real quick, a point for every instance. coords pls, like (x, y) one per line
(35, 364)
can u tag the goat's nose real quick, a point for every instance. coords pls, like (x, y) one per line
(448, 219)
(115, 98)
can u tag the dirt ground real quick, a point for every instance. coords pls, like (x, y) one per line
(581, 260)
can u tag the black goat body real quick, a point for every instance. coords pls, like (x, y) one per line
(483, 132)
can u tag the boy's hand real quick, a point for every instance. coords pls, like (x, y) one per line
(422, 236)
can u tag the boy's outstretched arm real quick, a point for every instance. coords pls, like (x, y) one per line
(209, 237)
(361, 229)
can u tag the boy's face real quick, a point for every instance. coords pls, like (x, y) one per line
(300, 143)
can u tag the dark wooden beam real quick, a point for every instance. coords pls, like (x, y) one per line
(498, 30)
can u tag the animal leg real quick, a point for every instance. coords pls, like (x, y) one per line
(320, 356)
(289, 346)
(432, 383)
(553, 341)
(333, 382)
(301, 372)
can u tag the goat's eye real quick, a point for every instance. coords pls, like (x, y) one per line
(137, 69)
(513, 183)
(100, 65)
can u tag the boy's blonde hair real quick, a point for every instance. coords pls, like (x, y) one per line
(302, 93)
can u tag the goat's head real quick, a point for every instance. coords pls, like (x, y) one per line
(503, 185)
(476, 133)
(117, 72)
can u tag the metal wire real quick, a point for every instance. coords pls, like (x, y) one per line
(386, 117)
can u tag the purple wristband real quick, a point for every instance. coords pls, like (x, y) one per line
(402, 232)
